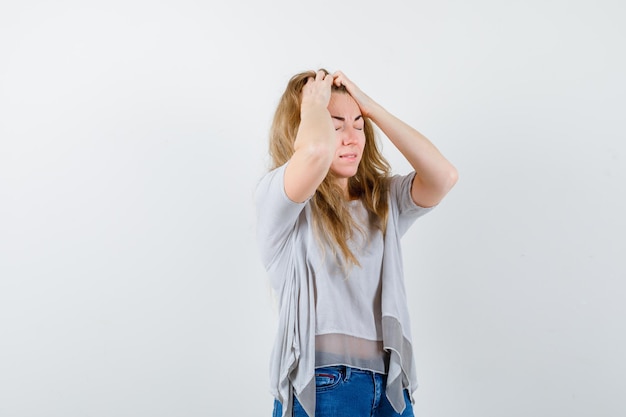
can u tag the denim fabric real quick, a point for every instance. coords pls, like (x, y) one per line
(342, 391)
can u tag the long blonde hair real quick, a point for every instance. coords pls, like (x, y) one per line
(331, 215)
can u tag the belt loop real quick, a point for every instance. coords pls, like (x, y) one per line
(348, 372)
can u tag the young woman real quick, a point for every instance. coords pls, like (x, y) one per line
(330, 219)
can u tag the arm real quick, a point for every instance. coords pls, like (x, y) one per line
(435, 175)
(276, 217)
(314, 146)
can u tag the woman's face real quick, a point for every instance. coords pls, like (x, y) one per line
(348, 123)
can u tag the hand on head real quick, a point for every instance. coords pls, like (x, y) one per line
(317, 89)
(366, 104)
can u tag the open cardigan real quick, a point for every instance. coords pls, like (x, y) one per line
(288, 251)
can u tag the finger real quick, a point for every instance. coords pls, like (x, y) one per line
(337, 80)
(340, 79)
(329, 79)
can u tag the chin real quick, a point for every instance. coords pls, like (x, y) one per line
(346, 172)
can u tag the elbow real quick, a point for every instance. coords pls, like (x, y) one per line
(446, 182)
(318, 154)
(452, 177)
(443, 180)
(429, 193)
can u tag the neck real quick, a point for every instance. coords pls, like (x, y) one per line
(343, 184)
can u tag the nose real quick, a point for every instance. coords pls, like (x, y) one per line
(350, 136)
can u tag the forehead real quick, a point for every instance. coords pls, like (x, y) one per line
(343, 103)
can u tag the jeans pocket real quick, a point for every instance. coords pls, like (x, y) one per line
(328, 377)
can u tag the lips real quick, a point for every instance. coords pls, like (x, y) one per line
(348, 155)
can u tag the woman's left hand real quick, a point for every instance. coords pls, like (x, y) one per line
(435, 175)
(366, 104)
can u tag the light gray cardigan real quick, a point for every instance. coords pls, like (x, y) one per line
(289, 253)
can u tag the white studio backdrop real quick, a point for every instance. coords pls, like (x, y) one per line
(132, 135)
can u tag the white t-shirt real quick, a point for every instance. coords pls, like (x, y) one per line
(348, 317)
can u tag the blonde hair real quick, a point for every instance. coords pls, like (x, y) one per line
(331, 215)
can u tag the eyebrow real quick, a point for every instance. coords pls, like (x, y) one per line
(343, 119)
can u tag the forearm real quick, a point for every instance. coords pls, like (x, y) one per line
(435, 175)
(316, 132)
(314, 149)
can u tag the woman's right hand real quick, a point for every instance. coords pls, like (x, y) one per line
(317, 90)
(315, 143)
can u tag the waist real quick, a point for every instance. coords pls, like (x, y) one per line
(378, 363)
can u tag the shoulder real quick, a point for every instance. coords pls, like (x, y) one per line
(400, 185)
(270, 178)
(400, 195)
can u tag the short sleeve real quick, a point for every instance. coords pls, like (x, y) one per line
(400, 196)
(276, 215)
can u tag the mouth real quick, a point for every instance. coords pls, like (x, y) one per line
(348, 156)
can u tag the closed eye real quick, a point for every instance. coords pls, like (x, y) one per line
(342, 120)
(360, 125)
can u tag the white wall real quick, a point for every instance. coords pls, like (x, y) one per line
(132, 134)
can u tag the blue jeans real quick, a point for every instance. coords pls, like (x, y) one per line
(342, 391)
